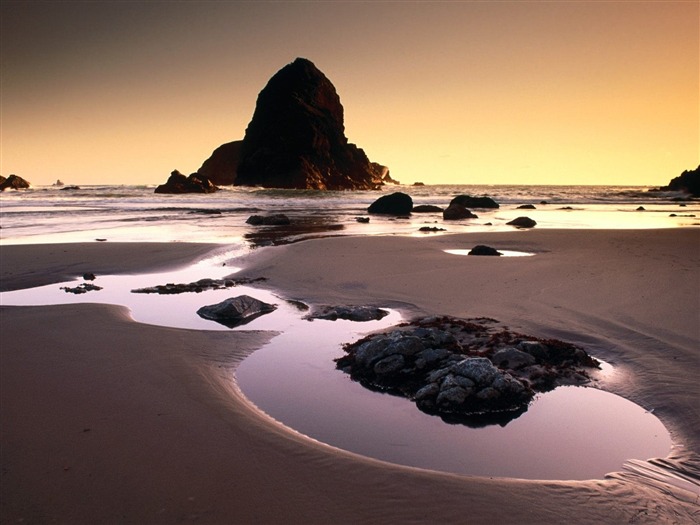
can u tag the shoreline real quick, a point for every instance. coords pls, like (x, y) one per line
(174, 438)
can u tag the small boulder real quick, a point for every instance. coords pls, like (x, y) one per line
(522, 222)
(350, 313)
(426, 208)
(235, 311)
(278, 219)
(480, 249)
(512, 358)
(474, 202)
(526, 207)
(397, 203)
(455, 212)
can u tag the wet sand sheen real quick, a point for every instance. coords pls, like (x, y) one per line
(163, 416)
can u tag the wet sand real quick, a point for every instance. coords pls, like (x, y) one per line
(105, 420)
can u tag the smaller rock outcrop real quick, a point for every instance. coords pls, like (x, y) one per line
(687, 182)
(178, 183)
(474, 202)
(235, 311)
(393, 204)
(221, 167)
(526, 207)
(522, 222)
(480, 249)
(456, 211)
(426, 208)
(13, 182)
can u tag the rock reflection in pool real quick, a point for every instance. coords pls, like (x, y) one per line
(569, 433)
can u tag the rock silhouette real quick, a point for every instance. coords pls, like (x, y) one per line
(222, 166)
(296, 138)
(178, 183)
(687, 182)
(13, 182)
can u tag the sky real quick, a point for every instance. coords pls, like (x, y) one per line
(475, 92)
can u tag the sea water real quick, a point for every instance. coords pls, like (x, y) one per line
(136, 213)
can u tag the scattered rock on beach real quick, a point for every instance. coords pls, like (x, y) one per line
(526, 207)
(197, 286)
(235, 311)
(364, 220)
(426, 208)
(279, 219)
(474, 202)
(81, 288)
(430, 229)
(472, 371)
(350, 313)
(480, 249)
(455, 212)
(397, 203)
(522, 222)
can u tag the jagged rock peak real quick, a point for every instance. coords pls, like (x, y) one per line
(296, 138)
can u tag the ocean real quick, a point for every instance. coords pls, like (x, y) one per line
(52, 214)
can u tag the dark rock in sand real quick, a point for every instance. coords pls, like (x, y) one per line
(641, 208)
(522, 222)
(526, 207)
(235, 311)
(13, 182)
(278, 219)
(426, 208)
(430, 229)
(89, 276)
(393, 204)
(464, 370)
(197, 286)
(687, 182)
(350, 313)
(455, 212)
(480, 249)
(81, 288)
(70, 188)
(362, 219)
(178, 183)
(474, 202)
(419, 184)
(221, 167)
(296, 138)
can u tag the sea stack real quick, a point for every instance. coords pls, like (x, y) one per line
(296, 138)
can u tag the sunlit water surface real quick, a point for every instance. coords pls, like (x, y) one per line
(570, 433)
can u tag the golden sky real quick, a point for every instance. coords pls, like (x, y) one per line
(479, 92)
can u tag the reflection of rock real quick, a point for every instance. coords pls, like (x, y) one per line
(474, 202)
(464, 370)
(278, 219)
(13, 182)
(235, 311)
(296, 138)
(351, 313)
(456, 211)
(480, 249)
(178, 183)
(393, 204)
(522, 222)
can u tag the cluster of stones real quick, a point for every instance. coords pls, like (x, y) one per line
(81, 288)
(349, 313)
(197, 286)
(464, 368)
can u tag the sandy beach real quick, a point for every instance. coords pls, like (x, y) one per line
(104, 420)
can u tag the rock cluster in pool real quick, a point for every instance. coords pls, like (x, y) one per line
(471, 371)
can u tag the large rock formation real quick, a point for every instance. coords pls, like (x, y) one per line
(687, 182)
(222, 166)
(296, 138)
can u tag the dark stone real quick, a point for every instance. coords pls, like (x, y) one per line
(484, 250)
(426, 208)
(235, 311)
(526, 207)
(687, 182)
(419, 184)
(464, 370)
(81, 288)
(13, 182)
(89, 276)
(70, 188)
(393, 204)
(296, 138)
(350, 313)
(474, 202)
(430, 229)
(178, 183)
(197, 286)
(362, 219)
(455, 212)
(522, 222)
(278, 219)
(221, 167)
(641, 208)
